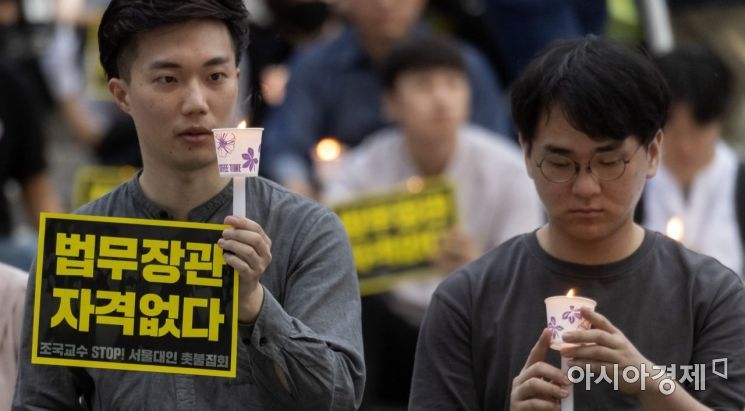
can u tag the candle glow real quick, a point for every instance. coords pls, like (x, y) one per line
(328, 149)
(675, 228)
(415, 184)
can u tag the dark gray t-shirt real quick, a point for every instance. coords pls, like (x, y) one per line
(675, 306)
(309, 324)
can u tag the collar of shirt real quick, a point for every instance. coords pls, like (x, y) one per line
(199, 214)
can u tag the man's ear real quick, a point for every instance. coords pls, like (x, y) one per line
(654, 153)
(119, 89)
(525, 146)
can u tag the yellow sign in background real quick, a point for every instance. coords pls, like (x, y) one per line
(394, 235)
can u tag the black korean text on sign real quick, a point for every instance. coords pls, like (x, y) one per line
(131, 294)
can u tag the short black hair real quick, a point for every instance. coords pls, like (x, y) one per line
(420, 53)
(604, 89)
(696, 76)
(123, 19)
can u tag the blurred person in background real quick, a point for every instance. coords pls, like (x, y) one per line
(22, 160)
(511, 32)
(718, 24)
(701, 180)
(334, 89)
(21, 44)
(280, 29)
(78, 89)
(427, 95)
(12, 291)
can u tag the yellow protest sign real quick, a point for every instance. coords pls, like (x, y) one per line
(131, 294)
(394, 235)
(92, 182)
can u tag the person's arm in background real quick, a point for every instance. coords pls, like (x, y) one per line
(39, 195)
(488, 102)
(30, 163)
(63, 73)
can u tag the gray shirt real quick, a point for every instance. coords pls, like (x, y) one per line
(309, 324)
(676, 307)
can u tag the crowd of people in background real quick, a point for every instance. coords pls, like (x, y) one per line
(408, 88)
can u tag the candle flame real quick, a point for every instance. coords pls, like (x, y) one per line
(415, 184)
(570, 294)
(328, 149)
(242, 124)
(675, 228)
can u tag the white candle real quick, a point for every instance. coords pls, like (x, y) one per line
(562, 315)
(675, 228)
(239, 196)
(567, 404)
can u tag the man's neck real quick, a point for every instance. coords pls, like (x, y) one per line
(377, 47)
(179, 193)
(376, 50)
(686, 173)
(431, 160)
(617, 246)
(685, 170)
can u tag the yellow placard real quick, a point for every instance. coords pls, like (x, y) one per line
(133, 294)
(395, 234)
(92, 182)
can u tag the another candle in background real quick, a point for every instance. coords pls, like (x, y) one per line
(326, 157)
(675, 229)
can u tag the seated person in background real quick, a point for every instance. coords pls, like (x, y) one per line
(427, 95)
(701, 179)
(334, 89)
(590, 114)
(172, 66)
(12, 287)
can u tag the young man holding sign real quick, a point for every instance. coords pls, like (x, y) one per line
(172, 65)
(590, 114)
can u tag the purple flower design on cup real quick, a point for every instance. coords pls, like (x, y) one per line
(555, 328)
(251, 161)
(225, 144)
(572, 315)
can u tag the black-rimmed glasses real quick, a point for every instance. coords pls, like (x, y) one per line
(605, 166)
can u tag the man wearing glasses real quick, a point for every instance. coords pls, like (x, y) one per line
(590, 114)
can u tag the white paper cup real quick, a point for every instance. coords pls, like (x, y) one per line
(238, 151)
(563, 315)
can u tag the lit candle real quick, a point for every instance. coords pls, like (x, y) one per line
(415, 184)
(326, 155)
(563, 315)
(675, 229)
(238, 151)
